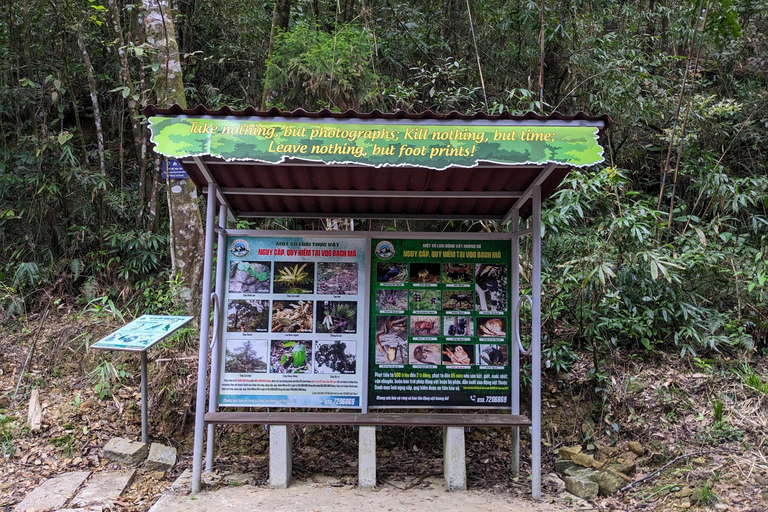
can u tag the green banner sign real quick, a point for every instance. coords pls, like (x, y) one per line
(439, 325)
(416, 144)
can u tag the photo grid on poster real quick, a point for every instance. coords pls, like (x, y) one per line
(439, 323)
(294, 312)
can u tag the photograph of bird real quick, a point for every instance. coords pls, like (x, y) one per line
(389, 274)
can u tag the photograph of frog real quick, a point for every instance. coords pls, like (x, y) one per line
(493, 355)
(391, 339)
(249, 276)
(337, 278)
(247, 315)
(392, 300)
(457, 300)
(491, 327)
(458, 354)
(294, 277)
(490, 287)
(458, 273)
(424, 353)
(457, 326)
(425, 272)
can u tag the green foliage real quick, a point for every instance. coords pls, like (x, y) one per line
(106, 378)
(313, 69)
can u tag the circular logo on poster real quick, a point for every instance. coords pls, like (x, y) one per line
(385, 250)
(239, 248)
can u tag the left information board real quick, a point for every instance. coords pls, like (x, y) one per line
(142, 333)
(293, 316)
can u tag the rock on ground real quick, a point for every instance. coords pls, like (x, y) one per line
(581, 487)
(104, 488)
(35, 412)
(125, 451)
(161, 457)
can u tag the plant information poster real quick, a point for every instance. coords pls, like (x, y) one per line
(293, 322)
(439, 323)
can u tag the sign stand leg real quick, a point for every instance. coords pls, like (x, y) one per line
(144, 437)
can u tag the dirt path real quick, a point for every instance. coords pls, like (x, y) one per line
(308, 496)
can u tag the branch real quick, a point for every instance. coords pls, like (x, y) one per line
(665, 466)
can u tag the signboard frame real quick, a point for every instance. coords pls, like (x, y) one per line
(298, 247)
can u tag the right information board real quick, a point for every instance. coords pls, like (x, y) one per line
(440, 323)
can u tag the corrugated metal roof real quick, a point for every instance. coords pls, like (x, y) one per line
(298, 188)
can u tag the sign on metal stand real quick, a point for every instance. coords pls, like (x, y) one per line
(139, 336)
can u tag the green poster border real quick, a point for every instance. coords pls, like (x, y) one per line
(389, 252)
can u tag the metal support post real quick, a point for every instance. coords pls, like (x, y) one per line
(536, 347)
(144, 436)
(202, 361)
(514, 350)
(219, 323)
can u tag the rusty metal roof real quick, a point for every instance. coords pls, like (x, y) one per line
(304, 189)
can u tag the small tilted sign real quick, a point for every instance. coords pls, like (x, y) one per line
(142, 333)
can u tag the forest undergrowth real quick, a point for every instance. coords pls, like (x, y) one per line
(702, 419)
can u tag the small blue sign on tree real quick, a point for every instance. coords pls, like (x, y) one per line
(173, 170)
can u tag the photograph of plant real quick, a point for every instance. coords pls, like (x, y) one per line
(457, 326)
(247, 315)
(336, 317)
(490, 287)
(425, 272)
(455, 273)
(491, 326)
(391, 272)
(294, 277)
(290, 316)
(458, 354)
(392, 300)
(424, 353)
(457, 300)
(425, 325)
(249, 276)
(337, 278)
(246, 356)
(425, 300)
(493, 355)
(391, 339)
(335, 357)
(290, 356)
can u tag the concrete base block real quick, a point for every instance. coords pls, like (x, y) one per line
(280, 461)
(366, 466)
(454, 461)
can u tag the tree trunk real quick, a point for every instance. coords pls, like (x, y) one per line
(186, 224)
(280, 17)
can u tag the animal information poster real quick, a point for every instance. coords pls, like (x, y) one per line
(439, 323)
(293, 312)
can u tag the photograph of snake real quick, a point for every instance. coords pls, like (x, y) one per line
(391, 339)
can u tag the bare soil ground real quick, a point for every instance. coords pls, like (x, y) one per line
(714, 457)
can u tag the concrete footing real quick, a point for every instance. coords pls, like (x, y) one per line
(454, 461)
(366, 463)
(280, 460)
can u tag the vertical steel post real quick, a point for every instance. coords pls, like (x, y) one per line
(365, 341)
(205, 320)
(536, 347)
(514, 350)
(144, 436)
(219, 322)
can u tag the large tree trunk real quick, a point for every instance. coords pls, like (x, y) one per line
(185, 221)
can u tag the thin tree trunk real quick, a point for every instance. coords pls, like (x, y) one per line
(280, 18)
(94, 99)
(185, 222)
